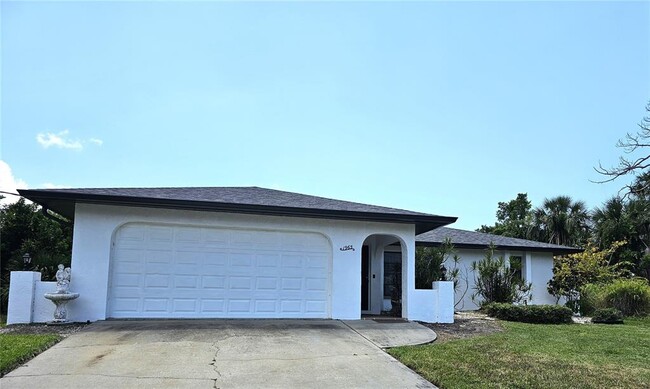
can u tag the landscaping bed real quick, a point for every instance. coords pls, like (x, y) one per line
(534, 355)
(465, 325)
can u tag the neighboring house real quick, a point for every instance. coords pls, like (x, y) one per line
(533, 259)
(248, 252)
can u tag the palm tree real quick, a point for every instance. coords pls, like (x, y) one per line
(611, 223)
(560, 220)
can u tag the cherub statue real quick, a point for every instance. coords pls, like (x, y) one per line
(62, 279)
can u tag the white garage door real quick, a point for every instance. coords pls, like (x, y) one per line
(160, 271)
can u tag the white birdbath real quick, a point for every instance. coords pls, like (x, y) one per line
(60, 300)
(62, 296)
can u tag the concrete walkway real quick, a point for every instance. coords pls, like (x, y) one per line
(219, 354)
(386, 334)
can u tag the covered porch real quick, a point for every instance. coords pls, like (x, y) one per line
(388, 283)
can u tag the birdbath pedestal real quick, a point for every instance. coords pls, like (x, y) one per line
(60, 300)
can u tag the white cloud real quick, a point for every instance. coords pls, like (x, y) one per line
(49, 185)
(9, 183)
(49, 139)
(62, 141)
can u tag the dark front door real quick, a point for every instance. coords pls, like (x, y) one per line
(365, 277)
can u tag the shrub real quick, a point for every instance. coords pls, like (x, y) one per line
(543, 314)
(591, 298)
(429, 264)
(496, 282)
(607, 316)
(572, 272)
(630, 296)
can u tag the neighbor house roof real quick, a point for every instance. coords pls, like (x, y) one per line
(480, 240)
(251, 200)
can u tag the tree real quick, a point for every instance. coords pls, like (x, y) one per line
(560, 220)
(23, 228)
(610, 222)
(637, 166)
(626, 218)
(572, 272)
(514, 218)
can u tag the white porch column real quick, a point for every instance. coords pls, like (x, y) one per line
(408, 275)
(528, 267)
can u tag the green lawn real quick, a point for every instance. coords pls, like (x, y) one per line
(539, 356)
(17, 348)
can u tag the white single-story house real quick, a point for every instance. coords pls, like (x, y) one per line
(249, 252)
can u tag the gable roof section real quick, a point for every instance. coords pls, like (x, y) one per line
(250, 200)
(480, 240)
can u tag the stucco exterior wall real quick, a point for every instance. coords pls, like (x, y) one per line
(542, 272)
(96, 224)
(537, 268)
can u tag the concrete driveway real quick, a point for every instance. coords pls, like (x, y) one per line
(217, 354)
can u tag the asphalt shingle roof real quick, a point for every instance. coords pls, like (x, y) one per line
(231, 199)
(473, 239)
(240, 195)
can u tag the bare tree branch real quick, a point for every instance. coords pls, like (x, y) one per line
(631, 143)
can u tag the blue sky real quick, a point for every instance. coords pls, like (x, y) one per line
(445, 108)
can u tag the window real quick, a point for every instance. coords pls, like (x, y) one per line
(515, 266)
(392, 271)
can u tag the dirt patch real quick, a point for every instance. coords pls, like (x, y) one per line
(465, 325)
(63, 331)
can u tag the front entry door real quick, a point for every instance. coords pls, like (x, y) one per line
(365, 277)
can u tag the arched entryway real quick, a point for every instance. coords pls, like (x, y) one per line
(383, 285)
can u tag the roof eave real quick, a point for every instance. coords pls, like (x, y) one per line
(53, 200)
(554, 250)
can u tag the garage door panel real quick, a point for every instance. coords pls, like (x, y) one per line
(187, 235)
(216, 258)
(186, 282)
(152, 281)
(160, 234)
(239, 306)
(240, 283)
(209, 306)
(268, 260)
(266, 306)
(159, 305)
(314, 306)
(184, 305)
(213, 282)
(123, 280)
(158, 256)
(266, 283)
(178, 271)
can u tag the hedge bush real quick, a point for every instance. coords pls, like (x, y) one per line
(543, 314)
(607, 316)
(630, 296)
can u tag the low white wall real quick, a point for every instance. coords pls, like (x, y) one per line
(433, 305)
(43, 310)
(26, 301)
(21, 296)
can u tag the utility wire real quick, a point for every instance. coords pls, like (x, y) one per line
(9, 193)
